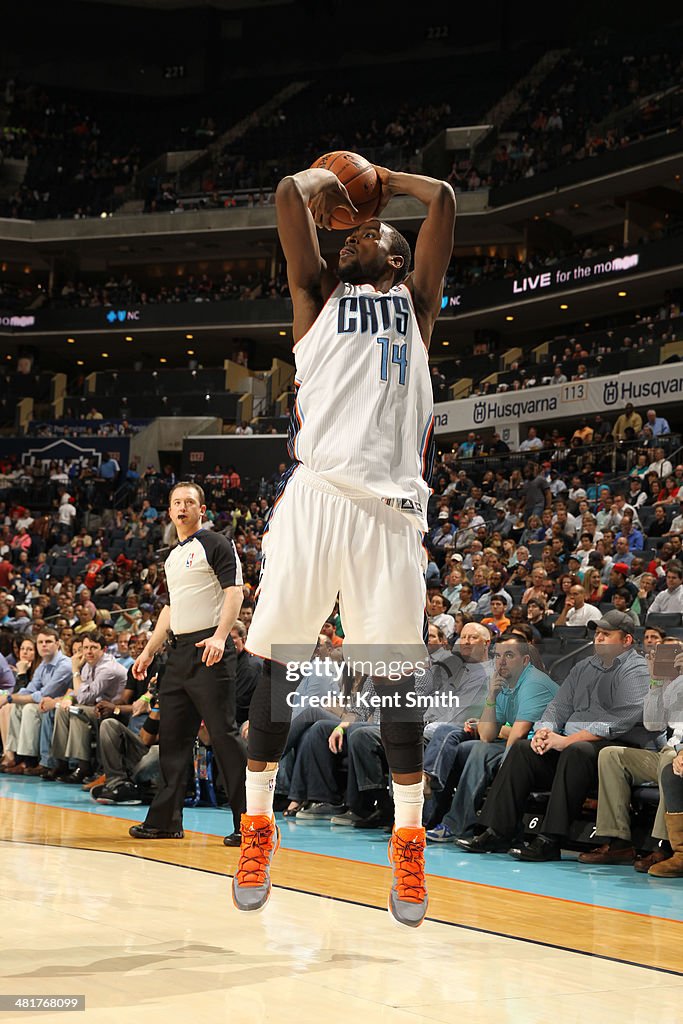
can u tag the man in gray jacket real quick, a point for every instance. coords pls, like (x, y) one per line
(468, 670)
(620, 768)
(599, 703)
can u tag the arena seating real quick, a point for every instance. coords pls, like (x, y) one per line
(598, 98)
(68, 522)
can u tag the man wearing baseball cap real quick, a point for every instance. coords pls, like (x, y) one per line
(600, 703)
(618, 579)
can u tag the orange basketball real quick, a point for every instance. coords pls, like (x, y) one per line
(362, 184)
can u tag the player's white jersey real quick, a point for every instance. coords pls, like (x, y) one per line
(363, 417)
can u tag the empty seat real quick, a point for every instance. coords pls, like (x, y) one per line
(568, 634)
(665, 620)
(646, 793)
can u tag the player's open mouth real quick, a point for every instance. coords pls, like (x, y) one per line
(346, 252)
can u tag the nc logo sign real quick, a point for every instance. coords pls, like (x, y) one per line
(610, 392)
(479, 414)
(121, 315)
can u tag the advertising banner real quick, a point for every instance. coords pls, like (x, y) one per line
(567, 275)
(656, 385)
(41, 451)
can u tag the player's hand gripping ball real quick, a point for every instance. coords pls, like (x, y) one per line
(362, 183)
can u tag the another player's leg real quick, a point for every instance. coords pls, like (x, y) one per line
(269, 719)
(402, 736)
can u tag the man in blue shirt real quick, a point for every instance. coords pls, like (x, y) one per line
(657, 424)
(109, 473)
(149, 513)
(52, 678)
(7, 679)
(633, 537)
(110, 469)
(468, 448)
(518, 695)
(599, 703)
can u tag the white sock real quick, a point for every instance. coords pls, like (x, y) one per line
(408, 804)
(260, 792)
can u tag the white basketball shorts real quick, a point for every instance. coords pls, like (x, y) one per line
(321, 542)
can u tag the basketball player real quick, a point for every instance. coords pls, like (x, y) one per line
(351, 511)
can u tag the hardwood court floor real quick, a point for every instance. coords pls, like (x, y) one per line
(150, 925)
(646, 939)
(155, 942)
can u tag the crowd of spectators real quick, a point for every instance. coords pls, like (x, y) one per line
(521, 563)
(93, 424)
(556, 125)
(82, 157)
(254, 173)
(582, 350)
(85, 151)
(166, 196)
(629, 441)
(119, 291)
(81, 586)
(75, 159)
(466, 272)
(201, 288)
(540, 550)
(578, 112)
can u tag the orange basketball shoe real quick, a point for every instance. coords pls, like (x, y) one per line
(260, 842)
(408, 900)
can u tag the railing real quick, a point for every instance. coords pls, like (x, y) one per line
(605, 458)
(665, 144)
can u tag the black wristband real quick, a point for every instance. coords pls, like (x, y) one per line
(151, 726)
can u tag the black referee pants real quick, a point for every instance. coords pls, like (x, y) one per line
(191, 692)
(570, 775)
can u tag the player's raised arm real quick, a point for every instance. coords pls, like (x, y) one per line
(434, 245)
(296, 225)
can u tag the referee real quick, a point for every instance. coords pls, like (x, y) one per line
(204, 580)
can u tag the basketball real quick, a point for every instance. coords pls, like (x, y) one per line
(362, 184)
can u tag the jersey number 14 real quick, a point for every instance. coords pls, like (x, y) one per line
(399, 356)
